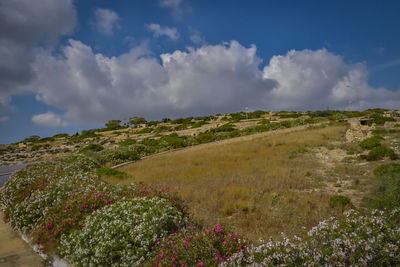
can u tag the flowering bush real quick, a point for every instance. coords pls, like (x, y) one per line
(121, 234)
(355, 240)
(29, 193)
(196, 247)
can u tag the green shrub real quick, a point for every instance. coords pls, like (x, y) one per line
(87, 134)
(228, 127)
(174, 140)
(198, 124)
(161, 129)
(339, 201)
(205, 138)
(92, 148)
(371, 142)
(145, 130)
(106, 171)
(264, 121)
(378, 119)
(385, 191)
(380, 152)
(127, 142)
(235, 117)
(256, 114)
(152, 123)
(122, 234)
(150, 142)
(289, 115)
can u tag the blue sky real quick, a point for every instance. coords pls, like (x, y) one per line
(72, 65)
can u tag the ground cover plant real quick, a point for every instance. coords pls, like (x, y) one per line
(371, 142)
(371, 239)
(385, 189)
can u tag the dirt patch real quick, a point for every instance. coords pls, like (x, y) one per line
(13, 250)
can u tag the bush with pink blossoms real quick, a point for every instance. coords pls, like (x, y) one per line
(196, 247)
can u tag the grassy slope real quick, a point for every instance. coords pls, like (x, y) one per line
(259, 186)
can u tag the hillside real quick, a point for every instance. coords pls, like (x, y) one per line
(211, 190)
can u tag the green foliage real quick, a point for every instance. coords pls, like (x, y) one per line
(380, 152)
(378, 119)
(198, 124)
(321, 113)
(228, 127)
(174, 140)
(137, 120)
(92, 148)
(152, 123)
(235, 117)
(61, 135)
(264, 121)
(339, 201)
(85, 134)
(256, 114)
(145, 130)
(150, 142)
(385, 192)
(371, 142)
(127, 142)
(113, 124)
(289, 115)
(47, 139)
(106, 171)
(161, 129)
(206, 137)
(32, 139)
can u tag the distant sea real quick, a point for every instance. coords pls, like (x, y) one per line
(6, 171)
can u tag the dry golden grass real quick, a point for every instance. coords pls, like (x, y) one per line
(258, 186)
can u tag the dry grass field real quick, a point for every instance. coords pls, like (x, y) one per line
(259, 186)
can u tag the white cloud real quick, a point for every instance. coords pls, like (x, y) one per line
(174, 5)
(318, 79)
(196, 37)
(23, 25)
(106, 21)
(48, 119)
(93, 88)
(4, 119)
(158, 31)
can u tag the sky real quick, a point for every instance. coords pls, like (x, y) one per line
(69, 65)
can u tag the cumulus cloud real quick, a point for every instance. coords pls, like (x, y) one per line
(227, 77)
(24, 24)
(318, 79)
(158, 31)
(94, 88)
(106, 21)
(48, 119)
